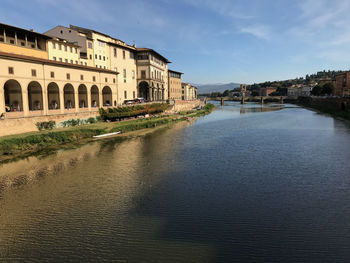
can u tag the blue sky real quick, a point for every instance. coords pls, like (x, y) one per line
(242, 41)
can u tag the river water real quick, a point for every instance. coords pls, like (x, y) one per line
(243, 184)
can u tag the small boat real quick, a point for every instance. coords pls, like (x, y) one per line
(106, 135)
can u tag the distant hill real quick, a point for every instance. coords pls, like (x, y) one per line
(208, 88)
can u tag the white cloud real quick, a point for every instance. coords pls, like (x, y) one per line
(259, 31)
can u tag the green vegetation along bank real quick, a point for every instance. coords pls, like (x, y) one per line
(23, 144)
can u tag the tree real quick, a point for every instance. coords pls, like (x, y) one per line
(327, 88)
(317, 90)
(226, 93)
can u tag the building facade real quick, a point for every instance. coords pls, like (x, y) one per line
(342, 84)
(267, 91)
(19, 41)
(174, 82)
(36, 87)
(152, 75)
(63, 51)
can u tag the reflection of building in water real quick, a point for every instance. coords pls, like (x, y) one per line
(244, 110)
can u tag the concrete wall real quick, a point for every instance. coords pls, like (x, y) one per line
(27, 124)
(180, 105)
(333, 104)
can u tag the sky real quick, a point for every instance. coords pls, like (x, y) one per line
(241, 41)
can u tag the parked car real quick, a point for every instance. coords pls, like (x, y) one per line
(139, 100)
(129, 102)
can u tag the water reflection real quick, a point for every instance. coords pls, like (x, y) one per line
(266, 186)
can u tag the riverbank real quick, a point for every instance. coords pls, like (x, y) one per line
(23, 144)
(336, 107)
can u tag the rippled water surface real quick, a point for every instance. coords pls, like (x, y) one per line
(251, 184)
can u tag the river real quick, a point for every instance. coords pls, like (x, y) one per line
(243, 184)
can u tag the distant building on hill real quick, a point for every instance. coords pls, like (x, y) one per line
(267, 91)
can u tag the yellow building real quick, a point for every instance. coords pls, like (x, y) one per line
(19, 41)
(103, 51)
(122, 59)
(189, 92)
(63, 51)
(152, 75)
(174, 82)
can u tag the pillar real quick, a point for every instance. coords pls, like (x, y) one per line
(262, 100)
(76, 99)
(61, 94)
(150, 94)
(243, 100)
(281, 100)
(88, 90)
(222, 102)
(25, 102)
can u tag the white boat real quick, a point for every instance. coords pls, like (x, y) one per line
(106, 135)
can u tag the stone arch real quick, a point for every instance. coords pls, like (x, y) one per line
(107, 96)
(13, 96)
(144, 90)
(68, 95)
(82, 95)
(95, 97)
(35, 96)
(53, 96)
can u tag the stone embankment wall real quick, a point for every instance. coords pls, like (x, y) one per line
(27, 124)
(180, 105)
(330, 104)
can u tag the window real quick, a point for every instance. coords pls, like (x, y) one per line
(33, 73)
(123, 54)
(99, 57)
(66, 60)
(54, 45)
(95, 56)
(106, 79)
(134, 94)
(101, 44)
(81, 77)
(54, 58)
(65, 48)
(76, 51)
(32, 45)
(124, 80)
(90, 56)
(76, 62)
(115, 52)
(60, 59)
(113, 80)
(133, 74)
(52, 74)
(125, 94)
(131, 55)
(68, 76)
(71, 49)
(124, 73)
(85, 63)
(71, 61)
(104, 58)
(11, 71)
(59, 46)
(143, 74)
(89, 45)
(12, 41)
(94, 79)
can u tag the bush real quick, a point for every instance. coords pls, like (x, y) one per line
(113, 114)
(45, 125)
(91, 120)
(72, 123)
